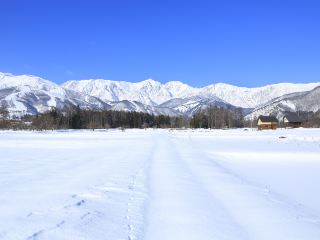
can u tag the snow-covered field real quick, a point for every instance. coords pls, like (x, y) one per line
(160, 184)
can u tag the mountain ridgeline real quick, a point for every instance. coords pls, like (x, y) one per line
(31, 95)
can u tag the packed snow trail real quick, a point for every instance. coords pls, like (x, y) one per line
(193, 197)
(147, 184)
(261, 214)
(180, 207)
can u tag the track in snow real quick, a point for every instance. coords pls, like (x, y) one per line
(193, 197)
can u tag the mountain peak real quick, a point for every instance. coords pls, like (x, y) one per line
(149, 81)
(2, 75)
(23, 81)
(176, 83)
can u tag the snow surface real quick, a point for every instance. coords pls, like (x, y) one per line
(160, 184)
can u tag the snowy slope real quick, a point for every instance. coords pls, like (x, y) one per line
(148, 92)
(252, 97)
(152, 92)
(189, 106)
(26, 94)
(301, 101)
(226, 185)
(29, 82)
(134, 106)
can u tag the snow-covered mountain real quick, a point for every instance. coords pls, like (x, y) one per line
(148, 92)
(153, 93)
(26, 94)
(135, 106)
(300, 101)
(253, 97)
(188, 106)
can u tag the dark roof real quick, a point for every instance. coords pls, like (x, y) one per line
(268, 119)
(293, 118)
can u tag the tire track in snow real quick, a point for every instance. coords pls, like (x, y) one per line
(136, 198)
(262, 214)
(180, 207)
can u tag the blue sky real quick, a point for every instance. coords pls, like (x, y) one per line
(245, 43)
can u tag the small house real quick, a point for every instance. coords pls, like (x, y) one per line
(267, 122)
(292, 121)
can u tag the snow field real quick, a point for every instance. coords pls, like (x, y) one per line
(160, 184)
(75, 185)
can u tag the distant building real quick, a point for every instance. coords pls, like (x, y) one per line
(267, 122)
(292, 121)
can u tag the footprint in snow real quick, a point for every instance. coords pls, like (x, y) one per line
(60, 224)
(85, 215)
(80, 202)
(29, 214)
(77, 204)
(35, 235)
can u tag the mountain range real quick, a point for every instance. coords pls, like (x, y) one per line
(27, 94)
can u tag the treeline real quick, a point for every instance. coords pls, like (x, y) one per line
(216, 117)
(77, 118)
(309, 119)
(4, 115)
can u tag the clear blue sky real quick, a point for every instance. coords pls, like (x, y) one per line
(246, 43)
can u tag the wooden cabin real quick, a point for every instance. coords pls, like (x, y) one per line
(267, 122)
(292, 121)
